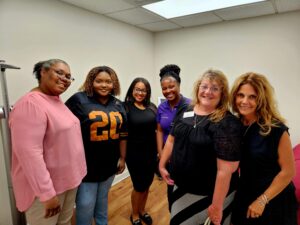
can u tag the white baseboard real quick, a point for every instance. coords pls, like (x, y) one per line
(121, 177)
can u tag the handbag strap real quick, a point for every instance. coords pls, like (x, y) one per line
(207, 221)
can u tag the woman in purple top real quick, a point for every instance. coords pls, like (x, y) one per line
(170, 86)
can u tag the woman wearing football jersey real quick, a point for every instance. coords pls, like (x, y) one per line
(141, 146)
(48, 161)
(204, 148)
(103, 125)
(167, 110)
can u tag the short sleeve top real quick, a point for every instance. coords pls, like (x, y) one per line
(166, 114)
(102, 127)
(196, 147)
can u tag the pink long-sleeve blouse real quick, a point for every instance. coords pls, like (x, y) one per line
(47, 150)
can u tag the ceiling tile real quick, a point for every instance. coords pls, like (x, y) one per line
(246, 11)
(101, 7)
(131, 12)
(141, 2)
(159, 26)
(196, 19)
(287, 5)
(136, 16)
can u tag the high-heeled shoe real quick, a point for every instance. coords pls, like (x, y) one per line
(146, 218)
(136, 222)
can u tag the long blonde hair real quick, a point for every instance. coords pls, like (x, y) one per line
(220, 78)
(267, 112)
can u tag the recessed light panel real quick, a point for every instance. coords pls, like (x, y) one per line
(175, 8)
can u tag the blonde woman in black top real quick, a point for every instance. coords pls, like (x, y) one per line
(204, 148)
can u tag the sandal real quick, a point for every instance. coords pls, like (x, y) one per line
(146, 218)
(136, 222)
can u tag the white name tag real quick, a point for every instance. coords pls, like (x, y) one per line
(188, 114)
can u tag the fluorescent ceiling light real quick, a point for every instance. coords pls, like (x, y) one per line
(175, 8)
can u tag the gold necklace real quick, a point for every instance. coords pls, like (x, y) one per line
(196, 123)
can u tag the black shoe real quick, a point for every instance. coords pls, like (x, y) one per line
(146, 218)
(136, 222)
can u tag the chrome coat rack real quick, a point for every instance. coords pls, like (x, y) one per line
(17, 217)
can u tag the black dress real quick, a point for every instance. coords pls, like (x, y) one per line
(197, 145)
(258, 166)
(141, 146)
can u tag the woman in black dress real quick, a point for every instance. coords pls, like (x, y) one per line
(141, 146)
(266, 194)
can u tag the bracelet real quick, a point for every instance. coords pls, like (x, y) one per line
(265, 198)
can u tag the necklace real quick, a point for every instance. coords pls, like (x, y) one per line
(247, 129)
(196, 122)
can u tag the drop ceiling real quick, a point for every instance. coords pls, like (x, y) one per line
(131, 12)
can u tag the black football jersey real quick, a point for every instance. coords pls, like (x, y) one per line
(102, 127)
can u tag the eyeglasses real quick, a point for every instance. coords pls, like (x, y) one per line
(63, 76)
(213, 89)
(140, 91)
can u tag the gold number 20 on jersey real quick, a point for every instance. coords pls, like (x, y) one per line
(112, 116)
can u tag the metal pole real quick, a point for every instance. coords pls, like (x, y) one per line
(17, 217)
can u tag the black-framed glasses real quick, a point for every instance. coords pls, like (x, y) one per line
(63, 76)
(142, 91)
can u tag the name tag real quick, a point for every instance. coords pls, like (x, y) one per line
(188, 114)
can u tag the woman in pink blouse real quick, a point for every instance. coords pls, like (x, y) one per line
(48, 161)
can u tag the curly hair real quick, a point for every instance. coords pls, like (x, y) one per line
(267, 112)
(170, 70)
(88, 84)
(45, 65)
(129, 97)
(220, 78)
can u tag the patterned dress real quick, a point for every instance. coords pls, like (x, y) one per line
(198, 143)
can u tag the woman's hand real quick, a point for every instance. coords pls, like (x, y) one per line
(166, 176)
(165, 157)
(256, 209)
(215, 214)
(121, 166)
(52, 207)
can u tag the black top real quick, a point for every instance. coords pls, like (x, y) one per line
(259, 165)
(102, 127)
(196, 148)
(141, 125)
(259, 162)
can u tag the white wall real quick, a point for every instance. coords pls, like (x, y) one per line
(34, 30)
(269, 45)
